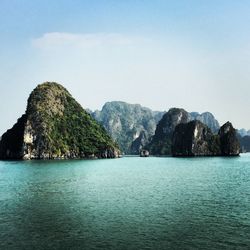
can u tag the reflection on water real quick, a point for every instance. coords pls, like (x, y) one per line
(128, 203)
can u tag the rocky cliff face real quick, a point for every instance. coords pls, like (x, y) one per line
(244, 143)
(229, 141)
(56, 126)
(11, 144)
(138, 144)
(161, 143)
(130, 125)
(133, 126)
(208, 119)
(196, 139)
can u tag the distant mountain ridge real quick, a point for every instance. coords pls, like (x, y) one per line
(243, 132)
(180, 133)
(130, 125)
(208, 119)
(133, 126)
(245, 143)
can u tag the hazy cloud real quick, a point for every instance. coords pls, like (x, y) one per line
(88, 40)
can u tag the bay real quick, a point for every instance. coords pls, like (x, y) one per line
(127, 203)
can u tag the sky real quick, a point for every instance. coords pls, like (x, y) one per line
(191, 54)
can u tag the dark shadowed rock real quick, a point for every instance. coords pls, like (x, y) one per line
(161, 143)
(56, 126)
(194, 139)
(229, 141)
(11, 144)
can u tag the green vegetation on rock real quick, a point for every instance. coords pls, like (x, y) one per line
(58, 127)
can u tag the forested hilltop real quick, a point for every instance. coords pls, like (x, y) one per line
(56, 126)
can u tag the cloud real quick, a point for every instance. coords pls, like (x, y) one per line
(86, 40)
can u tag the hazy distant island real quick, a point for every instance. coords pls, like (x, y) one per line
(136, 129)
(131, 125)
(179, 134)
(55, 126)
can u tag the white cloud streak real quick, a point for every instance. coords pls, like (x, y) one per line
(86, 40)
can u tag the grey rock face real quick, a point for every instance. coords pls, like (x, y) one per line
(139, 143)
(134, 127)
(130, 125)
(208, 119)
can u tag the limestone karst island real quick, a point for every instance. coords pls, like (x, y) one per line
(55, 126)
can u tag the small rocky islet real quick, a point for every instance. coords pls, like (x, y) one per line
(179, 135)
(196, 139)
(55, 126)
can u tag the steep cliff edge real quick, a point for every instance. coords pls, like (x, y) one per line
(196, 139)
(230, 144)
(161, 143)
(56, 126)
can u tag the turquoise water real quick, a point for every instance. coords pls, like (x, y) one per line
(128, 203)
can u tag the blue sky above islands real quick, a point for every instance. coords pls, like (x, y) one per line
(161, 54)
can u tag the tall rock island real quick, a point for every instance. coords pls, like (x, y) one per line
(196, 139)
(56, 126)
(161, 143)
(229, 141)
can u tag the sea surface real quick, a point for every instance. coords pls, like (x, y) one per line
(127, 203)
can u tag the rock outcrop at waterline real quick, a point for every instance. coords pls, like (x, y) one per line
(196, 139)
(162, 140)
(229, 141)
(56, 126)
